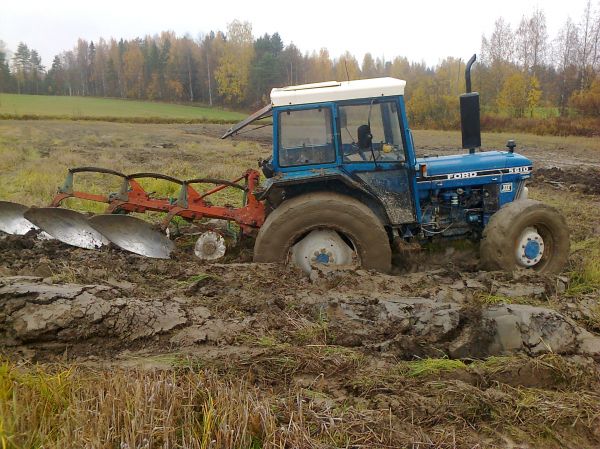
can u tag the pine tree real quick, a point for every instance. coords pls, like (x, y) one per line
(21, 65)
(37, 70)
(267, 68)
(55, 79)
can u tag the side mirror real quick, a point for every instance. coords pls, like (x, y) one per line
(469, 121)
(365, 138)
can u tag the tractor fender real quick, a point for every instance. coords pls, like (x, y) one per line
(280, 190)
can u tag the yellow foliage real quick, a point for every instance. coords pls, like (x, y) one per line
(513, 96)
(587, 101)
(175, 89)
(233, 72)
(534, 95)
(133, 67)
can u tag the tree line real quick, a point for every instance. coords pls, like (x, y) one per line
(521, 70)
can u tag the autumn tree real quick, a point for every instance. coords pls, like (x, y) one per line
(587, 102)
(514, 95)
(99, 68)
(589, 46)
(233, 72)
(497, 61)
(346, 67)
(531, 41)
(212, 46)
(294, 65)
(133, 70)
(320, 67)
(368, 68)
(565, 49)
(182, 67)
(82, 64)
(500, 45)
(534, 94)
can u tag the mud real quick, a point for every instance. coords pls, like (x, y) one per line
(436, 304)
(580, 179)
(54, 297)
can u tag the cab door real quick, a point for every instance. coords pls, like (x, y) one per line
(373, 152)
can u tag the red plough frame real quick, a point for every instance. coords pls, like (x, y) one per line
(190, 204)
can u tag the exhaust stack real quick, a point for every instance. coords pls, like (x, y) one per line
(469, 113)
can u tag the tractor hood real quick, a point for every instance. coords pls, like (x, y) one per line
(477, 164)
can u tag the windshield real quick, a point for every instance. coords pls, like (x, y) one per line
(384, 126)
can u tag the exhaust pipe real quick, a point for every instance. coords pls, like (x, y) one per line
(470, 124)
(468, 72)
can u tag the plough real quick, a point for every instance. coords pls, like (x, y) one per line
(130, 233)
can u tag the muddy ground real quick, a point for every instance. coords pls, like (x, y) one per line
(345, 340)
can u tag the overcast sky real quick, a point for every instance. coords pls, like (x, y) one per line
(426, 30)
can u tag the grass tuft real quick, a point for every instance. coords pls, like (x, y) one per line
(586, 278)
(428, 367)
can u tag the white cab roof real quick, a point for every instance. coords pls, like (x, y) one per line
(336, 90)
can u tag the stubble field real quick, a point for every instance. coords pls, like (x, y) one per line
(107, 349)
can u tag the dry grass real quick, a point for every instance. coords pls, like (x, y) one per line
(34, 158)
(73, 406)
(58, 407)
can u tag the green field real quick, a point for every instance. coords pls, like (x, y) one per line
(47, 106)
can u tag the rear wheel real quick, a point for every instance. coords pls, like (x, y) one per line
(326, 228)
(525, 234)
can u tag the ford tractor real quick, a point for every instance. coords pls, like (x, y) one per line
(343, 186)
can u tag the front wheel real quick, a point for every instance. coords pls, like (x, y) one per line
(326, 228)
(525, 234)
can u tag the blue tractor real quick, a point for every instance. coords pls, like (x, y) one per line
(344, 186)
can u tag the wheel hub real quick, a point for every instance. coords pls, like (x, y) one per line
(530, 248)
(210, 246)
(321, 246)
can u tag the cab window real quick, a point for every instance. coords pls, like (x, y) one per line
(384, 121)
(305, 137)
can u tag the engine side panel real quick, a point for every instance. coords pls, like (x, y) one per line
(392, 188)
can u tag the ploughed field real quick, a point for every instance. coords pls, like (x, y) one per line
(108, 349)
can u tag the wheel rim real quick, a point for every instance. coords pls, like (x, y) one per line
(322, 247)
(210, 246)
(530, 248)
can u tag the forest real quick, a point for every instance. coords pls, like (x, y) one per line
(526, 77)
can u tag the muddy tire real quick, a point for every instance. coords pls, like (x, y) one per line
(323, 210)
(506, 238)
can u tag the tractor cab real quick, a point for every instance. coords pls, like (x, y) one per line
(344, 134)
(334, 124)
